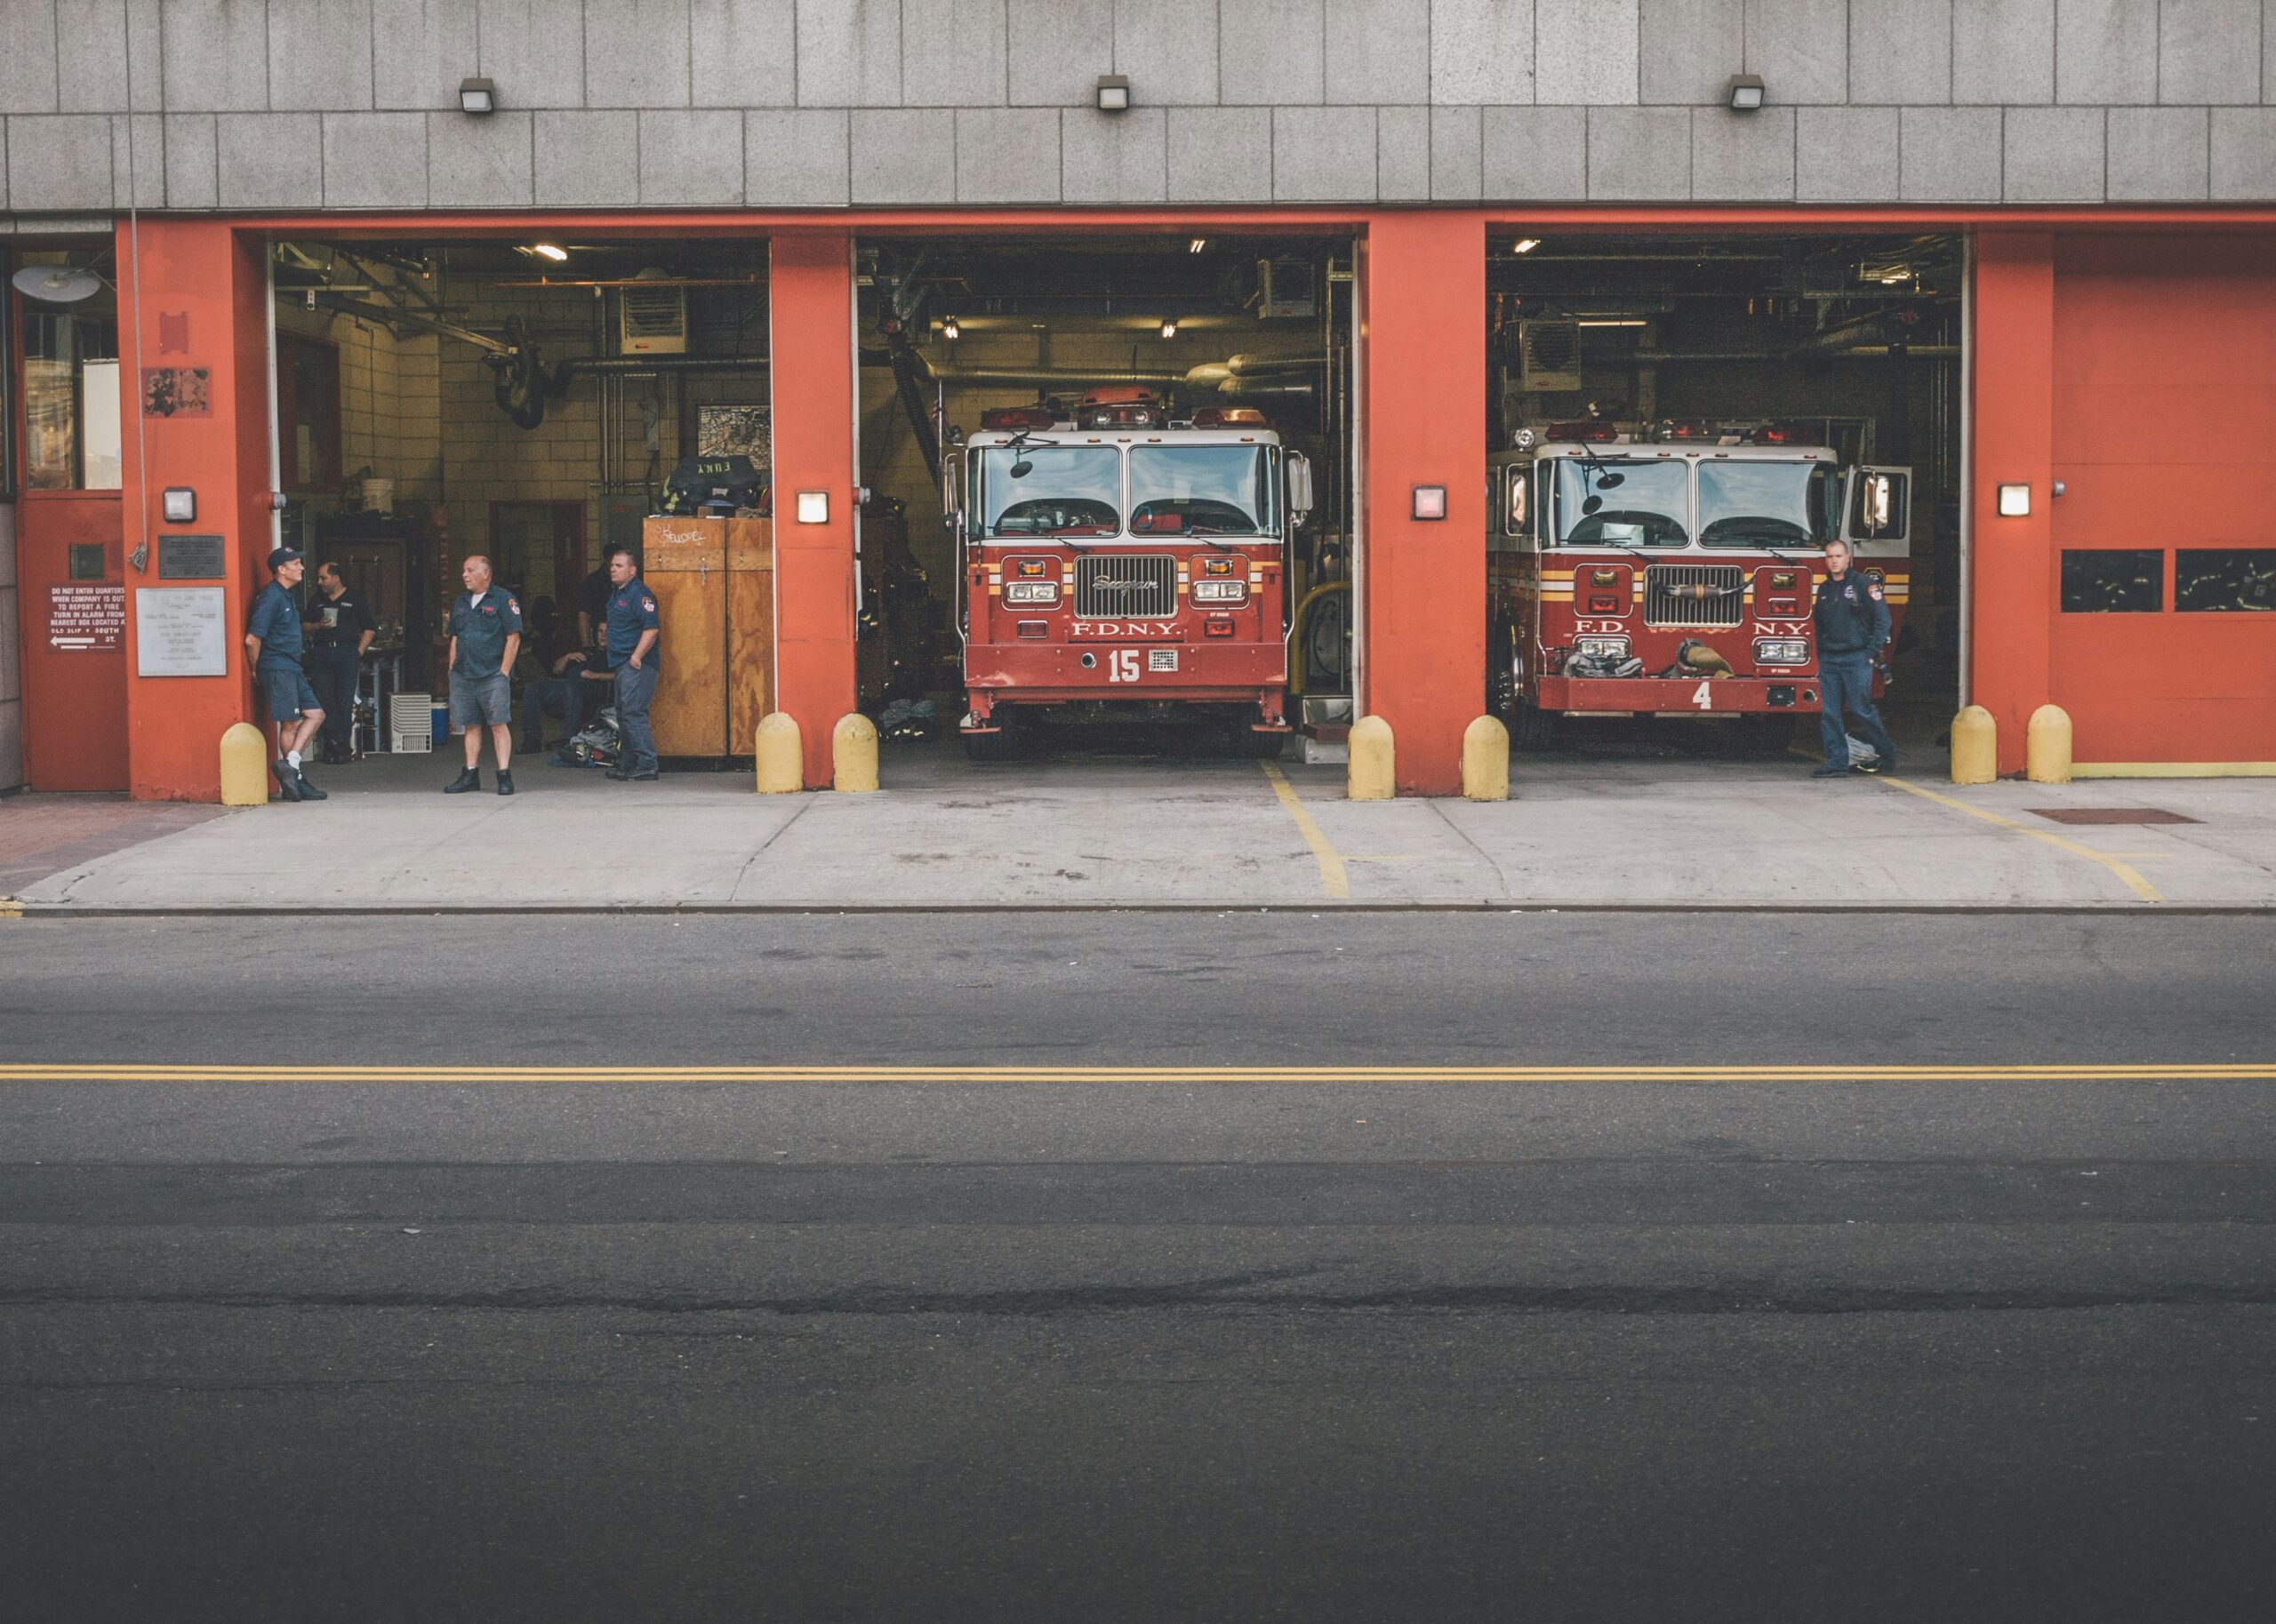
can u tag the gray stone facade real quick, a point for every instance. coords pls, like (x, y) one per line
(352, 104)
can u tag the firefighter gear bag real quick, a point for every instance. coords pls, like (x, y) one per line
(701, 482)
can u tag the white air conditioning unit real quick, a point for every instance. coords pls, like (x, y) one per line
(1549, 356)
(652, 320)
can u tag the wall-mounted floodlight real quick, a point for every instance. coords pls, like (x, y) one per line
(2015, 501)
(813, 506)
(1430, 502)
(950, 330)
(1746, 92)
(477, 97)
(180, 505)
(1114, 93)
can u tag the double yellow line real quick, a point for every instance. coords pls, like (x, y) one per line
(104, 1072)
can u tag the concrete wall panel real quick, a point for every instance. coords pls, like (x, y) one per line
(1948, 154)
(1900, 51)
(849, 52)
(28, 77)
(2003, 51)
(691, 159)
(90, 36)
(1324, 155)
(272, 161)
(421, 48)
(2243, 154)
(637, 53)
(2158, 153)
(1689, 49)
(1846, 155)
(1169, 49)
(2200, 54)
(320, 55)
(374, 160)
(1799, 47)
(138, 158)
(216, 56)
(904, 156)
(592, 158)
(481, 163)
(1120, 157)
(740, 54)
(952, 53)
(535, 52)
(1743, 157)
(2054, 155)
(1056, 51)
(1007, 155)
(796, 155)
(1458, 151)
(2106, 51)
(1481, 50)
(1584, 53)
(1540, 155)
(1403, 153)
(193, 178)
(1219, 155)
(1377, 51)
(60, 163)
(1640, 154)
(1271, 51)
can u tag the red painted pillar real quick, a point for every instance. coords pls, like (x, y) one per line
(810, 293)
(201, 292)
(2012, 593)
(1425, 587)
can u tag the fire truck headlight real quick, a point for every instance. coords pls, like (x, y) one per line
(1609, 648)
(1044, 593)
(1221, 592)
(1781, 651)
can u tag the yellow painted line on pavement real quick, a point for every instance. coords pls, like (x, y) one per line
(1959, 1072)
(1334, 879)
(2126, 872)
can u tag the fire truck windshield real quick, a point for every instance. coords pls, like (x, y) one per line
(1608, 503)
(1050, 491)
(1763, 504)
(1199, 490)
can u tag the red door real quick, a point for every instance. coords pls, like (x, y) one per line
(71, 599)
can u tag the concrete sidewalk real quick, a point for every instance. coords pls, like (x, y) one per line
(1581, 830)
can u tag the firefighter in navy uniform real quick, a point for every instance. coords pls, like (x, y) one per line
(339, 629)
(1852, 624)
(632, 631)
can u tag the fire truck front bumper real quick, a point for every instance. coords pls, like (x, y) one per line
(1177, 672)
(1675, 696)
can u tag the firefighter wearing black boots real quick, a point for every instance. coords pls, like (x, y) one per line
(486, 634)
(1852, 624)
(273, 644)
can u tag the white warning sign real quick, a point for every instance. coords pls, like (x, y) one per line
(87, 619)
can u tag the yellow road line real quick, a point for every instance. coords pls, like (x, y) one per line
(2140, 887)
(99, 1072)
(1334, 878)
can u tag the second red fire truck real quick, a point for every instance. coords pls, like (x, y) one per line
(1670, 570)
(1121, 561)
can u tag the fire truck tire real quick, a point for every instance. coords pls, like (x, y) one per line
(1535, 728)
(1260, 747)
(1002, 745)
(1501, 695)
(1759, 737)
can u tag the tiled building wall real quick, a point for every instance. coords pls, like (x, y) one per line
(352, 104)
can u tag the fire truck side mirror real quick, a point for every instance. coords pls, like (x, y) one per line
(1300, 486)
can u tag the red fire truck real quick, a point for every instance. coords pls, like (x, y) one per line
(1668, 569)
(1124, 562)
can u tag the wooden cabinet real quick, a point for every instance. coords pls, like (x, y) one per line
(714, 581)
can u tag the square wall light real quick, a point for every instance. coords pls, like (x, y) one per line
(180, 505)
(813, 506)
(1114, 93)
(477, 97)
(1429, 501)
(2015, 501)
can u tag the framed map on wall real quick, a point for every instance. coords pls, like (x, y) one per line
(736, 431)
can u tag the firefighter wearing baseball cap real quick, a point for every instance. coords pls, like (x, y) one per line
(272, 643)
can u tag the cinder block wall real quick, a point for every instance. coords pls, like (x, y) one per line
(352, 104)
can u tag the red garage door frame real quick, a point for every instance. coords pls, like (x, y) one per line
(1422, 391)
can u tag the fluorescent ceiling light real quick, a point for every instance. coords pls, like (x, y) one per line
(549, 250)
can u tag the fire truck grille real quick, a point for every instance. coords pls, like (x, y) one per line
(1126, 586)
(1694, 595)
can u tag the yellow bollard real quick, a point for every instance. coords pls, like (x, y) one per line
(1486, 761)
(1976, 746)
(781, 754)
(245, 765)
(1369, 776)
(2047, 746)
(854, 754)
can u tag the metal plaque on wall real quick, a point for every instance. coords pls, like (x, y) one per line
(181, 631)
(192, 558)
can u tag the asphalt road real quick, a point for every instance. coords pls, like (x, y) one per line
(2000, 1348)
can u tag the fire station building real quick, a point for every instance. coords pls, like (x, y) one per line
(394, 281)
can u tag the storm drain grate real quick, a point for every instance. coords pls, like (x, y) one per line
(2108, 815)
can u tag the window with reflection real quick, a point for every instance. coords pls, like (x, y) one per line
(2114, 580)
(71, 394)
(2224, 579)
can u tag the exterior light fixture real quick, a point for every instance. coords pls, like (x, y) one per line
(1114, 93)
(1746, 92)
(549, 250)
(2015, 501)
(1429, 501)
(180, 505)
(1197, 244)
(478, 97)
(950, 330)
(1525, 244)
(813, 506)
(1169, 326)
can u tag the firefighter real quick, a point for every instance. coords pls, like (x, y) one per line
(272, 643)
(632, 629)
(1852, 624)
